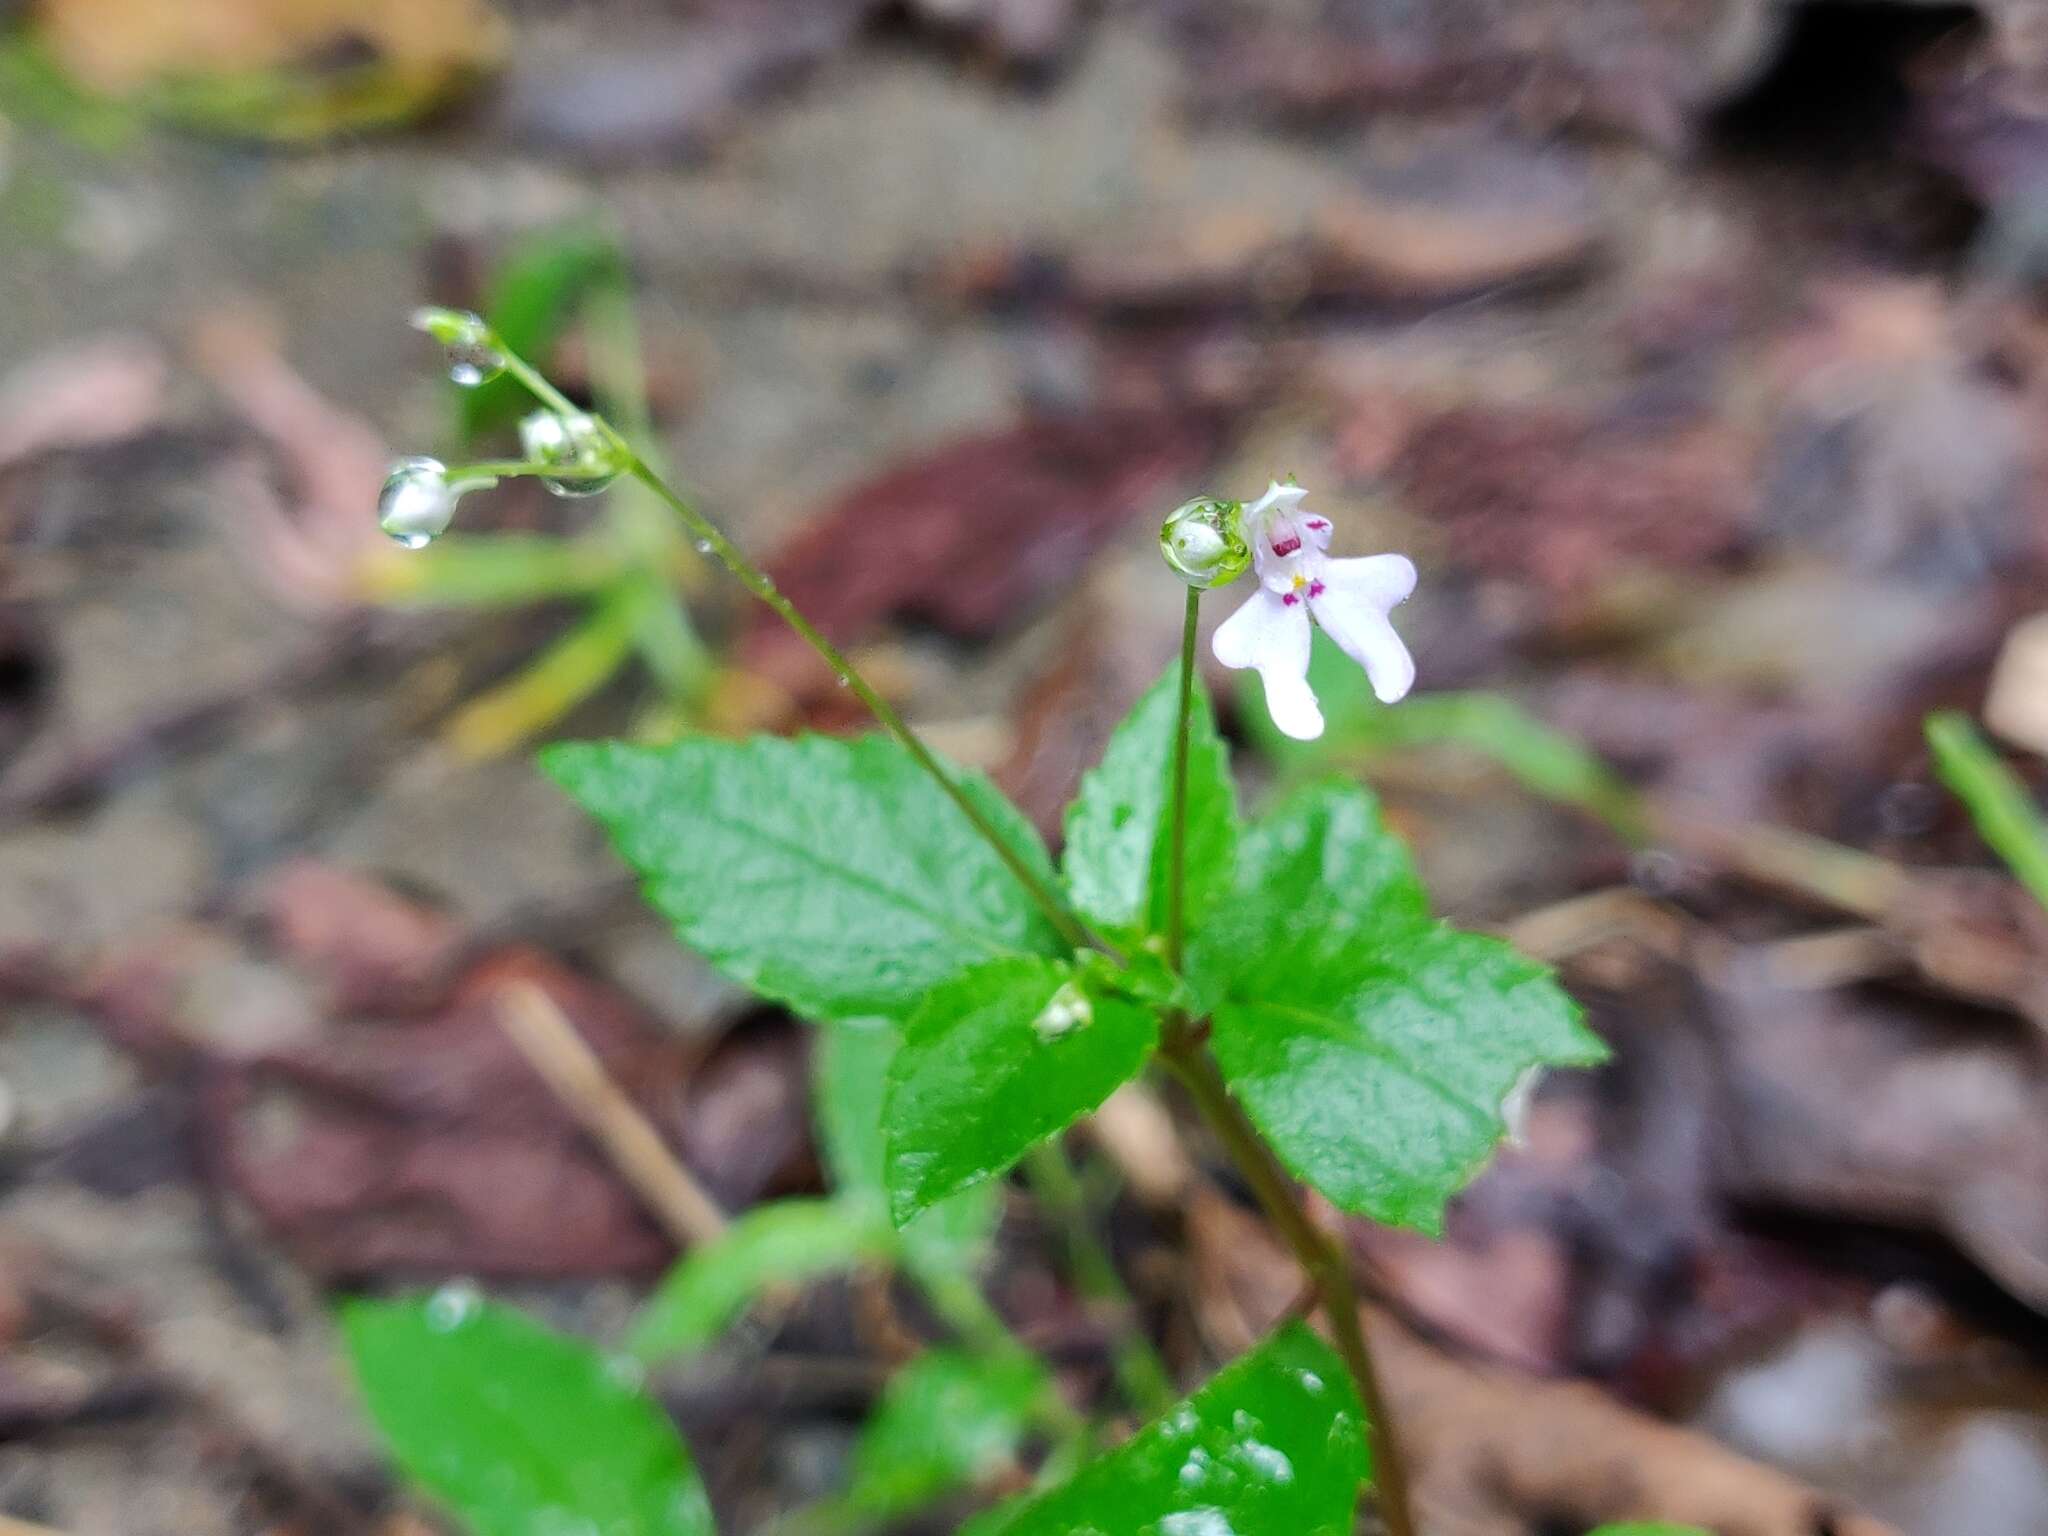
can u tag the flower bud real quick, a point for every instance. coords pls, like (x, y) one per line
(572, 440)
(1203, 541)
(473, 355)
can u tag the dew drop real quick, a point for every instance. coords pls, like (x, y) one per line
(1267, 1461)
(1206, 1521)
(703, 546)
(1311, 1383)
(572, 440)
(471, 364)
(1069, 1010)
(453, 1306)
(416, 504)
(472, 359)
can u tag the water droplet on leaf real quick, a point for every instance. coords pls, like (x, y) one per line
(1206, 1521)
(453, 1305)
(1267, 1461)
(1068, 1011)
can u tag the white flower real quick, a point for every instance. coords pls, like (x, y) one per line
(1349, 598)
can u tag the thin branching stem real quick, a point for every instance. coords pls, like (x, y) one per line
(1177, 872)
(712, 541)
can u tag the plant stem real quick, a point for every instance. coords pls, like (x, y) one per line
(712, 541)
(1181, 1046)
(1326, 1268)
(1139, 1370)
(537, 385)
(1177, 881)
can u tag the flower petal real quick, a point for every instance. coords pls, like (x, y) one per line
(1383, 580)
(1277, 495)
(1273, 636)
(1357, 624)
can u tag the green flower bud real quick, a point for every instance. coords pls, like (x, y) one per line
(577, 442)
(1204, 543)
(473, 355)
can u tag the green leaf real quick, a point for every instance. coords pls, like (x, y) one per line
(1546, 761)
(849, 1080)
(782, 1244)
(830, 875)
(533, 300)
(515, 1428)
(1119, 842)
(996, 1060)
(1274, 1445)
(1999, 803)
(498, 570)
(1372, 1045)
(947, 1421)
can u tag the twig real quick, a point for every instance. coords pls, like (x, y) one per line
(1565, 928)
(11, 1526)
(567, 1065)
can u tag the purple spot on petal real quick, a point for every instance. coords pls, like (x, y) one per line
(1318, 524)
(1289, 599)
(1315, 589)
(1286, 546)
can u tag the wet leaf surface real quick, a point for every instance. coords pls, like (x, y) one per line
(509, 1425)
(1273, 1443)
(993, 1062)
(818, 872)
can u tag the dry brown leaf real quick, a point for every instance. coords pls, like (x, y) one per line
(119, 46)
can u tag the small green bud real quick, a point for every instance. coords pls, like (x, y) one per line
(573, 441)
(1203, 541)
(473, 355)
